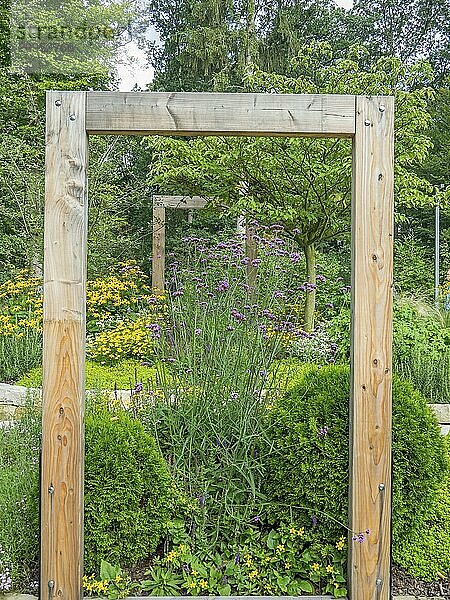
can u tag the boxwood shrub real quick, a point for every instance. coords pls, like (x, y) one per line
(308, 465)
(128, 491)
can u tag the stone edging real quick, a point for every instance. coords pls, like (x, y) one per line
(13, 397)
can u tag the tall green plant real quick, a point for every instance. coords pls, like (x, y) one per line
(220, 345)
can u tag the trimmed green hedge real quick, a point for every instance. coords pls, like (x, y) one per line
(128, 491)
(124, 375)
(307, 468)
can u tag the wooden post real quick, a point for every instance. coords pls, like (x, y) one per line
(370, 408)
(64, 347)
(159, 246)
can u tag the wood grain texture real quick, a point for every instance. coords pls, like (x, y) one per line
(181, 202)
(371, 403)
(159, 247)
(191, 113)
(65, 235)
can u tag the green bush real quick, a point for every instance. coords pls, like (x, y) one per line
(19, 354)
(19, 499)
(124, 375)
(418, 329)
(307, 468)
(426, 552)
(128, 494)
(128, 491)
(413, 271)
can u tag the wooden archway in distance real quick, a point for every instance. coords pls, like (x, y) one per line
(189, 203)
(71, 117)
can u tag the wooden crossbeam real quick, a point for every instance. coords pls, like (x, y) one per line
(191, 113)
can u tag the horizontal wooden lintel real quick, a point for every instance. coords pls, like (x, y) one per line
(186, 202)
(194, 113)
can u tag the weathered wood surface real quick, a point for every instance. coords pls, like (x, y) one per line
(371, 407)
(182, 202)
(65, 236)
(191, 113)
(159, 247)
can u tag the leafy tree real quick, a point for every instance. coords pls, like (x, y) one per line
(116, 173)
(407, 30)
(303, 184)
(208, 44)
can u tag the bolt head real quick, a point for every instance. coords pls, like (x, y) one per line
(379, 582)
(367, 122)
(57, 102)
(382, 108)
(381, 486)
(72, 117)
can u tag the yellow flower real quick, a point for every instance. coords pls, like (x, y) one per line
(301, 531)
(253, 574)
(203, 584)
(171, 556)
(292, 530)
(330, 569)
(315, 567)
(192, 584)
(341, 543)
(287, 565)
(194, 573)
(280, 547)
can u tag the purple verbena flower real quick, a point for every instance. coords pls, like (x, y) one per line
(155, 329)
(223, 286)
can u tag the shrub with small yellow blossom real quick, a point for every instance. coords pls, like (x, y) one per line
(284, 561)
(112, 583)
(128, 339)
(20, 304)
(120, 309)
(20, 325)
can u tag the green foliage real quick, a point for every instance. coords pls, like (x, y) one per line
(263, 561)
(19, 354)
(409, 30)
(311, 200)
(307, 470)
(128, 491)
(425, 553)
(19, 499)
(124, 376)
(129, 494)
(413, 273)
(112, 584)
(418, 329)
(430, 374)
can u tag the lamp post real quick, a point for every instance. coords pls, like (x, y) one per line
(436, 254)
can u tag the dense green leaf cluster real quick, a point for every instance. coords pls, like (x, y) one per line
(307, 469)
(128, 491)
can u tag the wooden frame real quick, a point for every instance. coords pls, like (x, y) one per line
(160, 203)
(189, 203)
(71, 116)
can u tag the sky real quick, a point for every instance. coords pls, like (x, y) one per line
(133, 69)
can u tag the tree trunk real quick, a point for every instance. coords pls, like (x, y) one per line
(310, 300)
